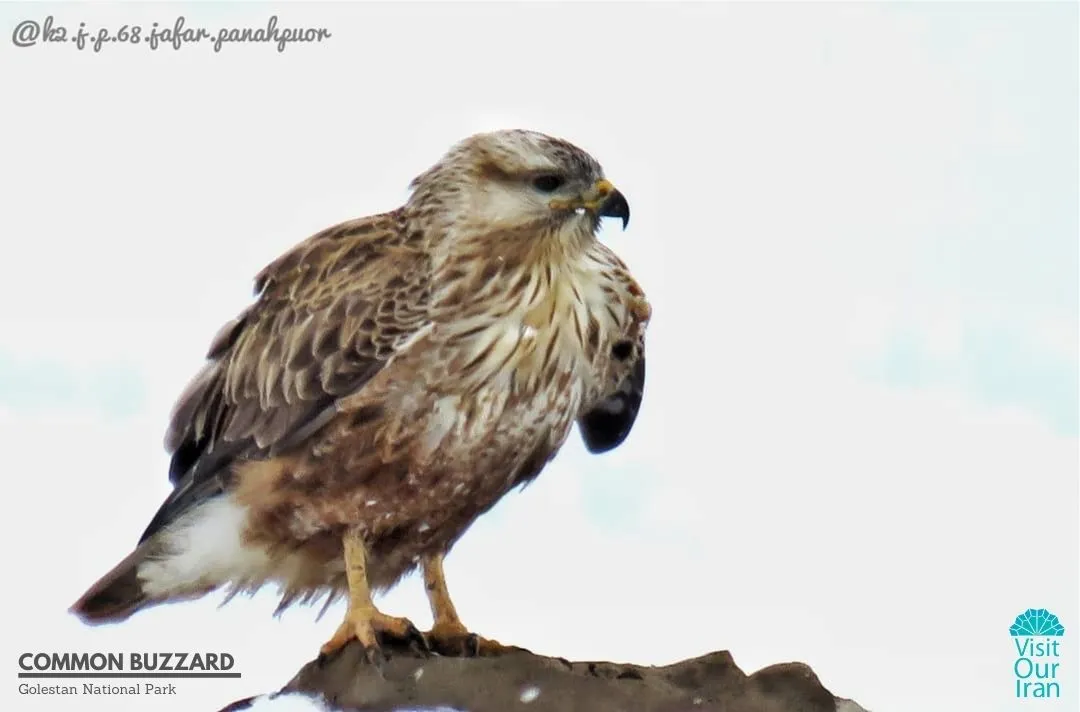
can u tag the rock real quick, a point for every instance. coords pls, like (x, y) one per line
(522, 681)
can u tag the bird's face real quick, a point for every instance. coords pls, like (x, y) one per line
(523, 179)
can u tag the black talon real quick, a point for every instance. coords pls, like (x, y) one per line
(472, 645)
(414, 637)
(410, 639)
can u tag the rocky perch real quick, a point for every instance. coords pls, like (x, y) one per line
(523, 681)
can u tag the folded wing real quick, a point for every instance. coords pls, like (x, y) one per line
(328, 316)
(609, 422)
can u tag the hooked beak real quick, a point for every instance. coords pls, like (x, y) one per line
(607, 202)
(602, 199)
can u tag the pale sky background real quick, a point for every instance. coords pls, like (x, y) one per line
(857, 225)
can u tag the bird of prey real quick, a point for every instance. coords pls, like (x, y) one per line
(395, 376)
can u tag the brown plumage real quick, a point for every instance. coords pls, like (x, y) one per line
(395, 377)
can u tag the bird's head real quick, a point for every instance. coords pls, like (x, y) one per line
(518, 179)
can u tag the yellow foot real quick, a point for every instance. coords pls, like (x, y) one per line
(454, 640)
(372, 627)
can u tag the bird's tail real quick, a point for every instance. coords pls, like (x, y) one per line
(119, 593)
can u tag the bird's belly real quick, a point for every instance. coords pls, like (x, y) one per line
(466, 453)
(457, 451)
(471, 454)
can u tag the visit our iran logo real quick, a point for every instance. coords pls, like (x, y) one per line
(1036, 634)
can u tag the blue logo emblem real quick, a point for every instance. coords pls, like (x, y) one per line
(1036, 635)
(1037, 621)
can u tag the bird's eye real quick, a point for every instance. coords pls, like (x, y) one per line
(548, 183)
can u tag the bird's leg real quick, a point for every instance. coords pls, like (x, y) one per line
(448, 635)
(363, 621)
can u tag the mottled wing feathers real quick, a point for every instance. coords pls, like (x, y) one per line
(609, 422)
(329, 314)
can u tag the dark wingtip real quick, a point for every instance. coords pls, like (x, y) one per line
(609, 423)
(602, 432)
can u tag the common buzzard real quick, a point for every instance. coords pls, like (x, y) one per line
(395, 376)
